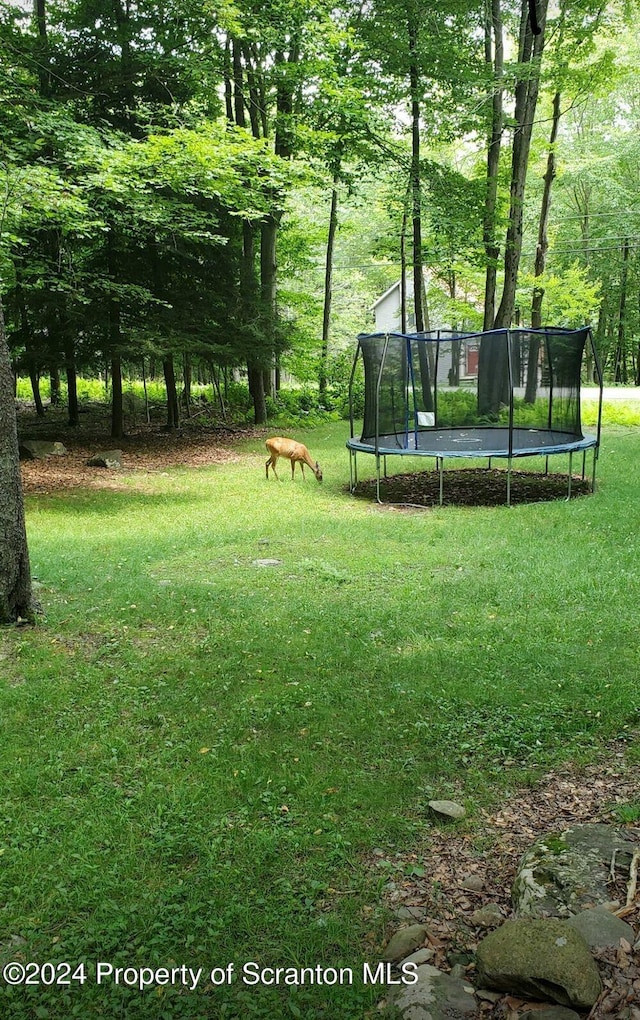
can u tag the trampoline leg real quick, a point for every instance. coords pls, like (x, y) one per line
(378, 478)
(593, 472)
(385, 466)
(509, 482)
(584, 464)
(570, 476)
(546, 465)
(440, 462)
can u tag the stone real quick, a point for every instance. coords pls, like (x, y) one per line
(434, 996)
(108, 459)
(552, 1013)
(447, 808)
(487, 917)
(404, 942)
(473, 883)
(267, 563)
(420, 956)
(599, 927)
(569, 871)
(404, 913)
(545, 959)
(38, 449)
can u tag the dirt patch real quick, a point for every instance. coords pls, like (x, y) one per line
(428, 883)
(144, 449)
(471, 487)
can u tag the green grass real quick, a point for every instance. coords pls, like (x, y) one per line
(197, 749)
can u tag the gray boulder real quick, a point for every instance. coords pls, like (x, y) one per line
(447, 809)
(545, 959)
(566, 872)
(434, 996)
(600, 928)
(404, 942)
(38, 449)
(108, 459)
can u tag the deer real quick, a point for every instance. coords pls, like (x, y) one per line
(295, 452)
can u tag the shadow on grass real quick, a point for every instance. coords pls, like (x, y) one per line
(109, 503)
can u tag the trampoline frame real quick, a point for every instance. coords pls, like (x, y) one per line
(571, 444)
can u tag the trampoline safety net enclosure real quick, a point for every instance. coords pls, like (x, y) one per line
(499, 394)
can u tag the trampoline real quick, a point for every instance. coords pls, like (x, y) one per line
(503, 394)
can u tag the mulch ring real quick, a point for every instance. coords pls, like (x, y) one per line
(472, 487)
(426, 884)
(145, 450)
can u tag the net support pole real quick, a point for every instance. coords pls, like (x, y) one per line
(593, 472)
(353, 470)
(378, 478)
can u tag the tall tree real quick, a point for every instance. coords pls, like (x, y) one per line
(16, 596)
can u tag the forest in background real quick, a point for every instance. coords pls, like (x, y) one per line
(193, 189)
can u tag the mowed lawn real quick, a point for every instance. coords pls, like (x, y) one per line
(198, 746)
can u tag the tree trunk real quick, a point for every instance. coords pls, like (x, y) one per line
(494, 57)
(493, 383)
(30, 357)
(186, 379)
(541, 255)
(173, 409)
(416, 197)
(16, 598)
(403, 273)
(328, 289)
(55, 396)
(526, 99)
(621, 369)
(72, 382)
(117, 416)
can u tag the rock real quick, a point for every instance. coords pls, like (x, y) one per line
(108, 459)
(473, 883)
(564, 873)
(434, 996)
(447, 808)
(38, 449)
(267, 563)
(421, 956)
(552, 1013)
(599, 927)
(410, 914)
(487, 917)
(546, 959)
(404, 942)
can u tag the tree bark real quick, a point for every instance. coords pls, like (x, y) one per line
(173, 409)
(494, 58)
(541, 256)
(117, 417)
(72, 382)
(328, 288)
(493, 382)
(416, 196)
(16, 597)
(621, 369)
(526, 99)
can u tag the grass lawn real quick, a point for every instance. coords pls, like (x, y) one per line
(197, 748)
